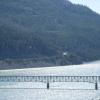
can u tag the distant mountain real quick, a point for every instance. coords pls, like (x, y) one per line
(47, 28)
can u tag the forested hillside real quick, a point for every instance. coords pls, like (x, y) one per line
(47, 28)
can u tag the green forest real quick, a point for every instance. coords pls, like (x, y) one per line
(47, 28)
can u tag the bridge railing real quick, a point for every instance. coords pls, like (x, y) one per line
(92, 79)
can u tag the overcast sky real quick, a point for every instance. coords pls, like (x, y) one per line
(93, 4)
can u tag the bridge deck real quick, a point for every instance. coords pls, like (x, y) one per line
(92, 79)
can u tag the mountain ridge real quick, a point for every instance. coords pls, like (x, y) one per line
(35, 29)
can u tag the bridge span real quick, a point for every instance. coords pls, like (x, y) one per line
(51, 79)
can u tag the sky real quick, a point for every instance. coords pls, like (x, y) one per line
(93, 4)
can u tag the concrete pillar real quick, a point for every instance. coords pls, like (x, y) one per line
(96, 86)
(48, 85)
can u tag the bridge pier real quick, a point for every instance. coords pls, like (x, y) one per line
(48, 85)
(96, 86)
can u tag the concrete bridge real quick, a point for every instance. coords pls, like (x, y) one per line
(51, 79)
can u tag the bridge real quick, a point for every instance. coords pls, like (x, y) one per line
(51, 79)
